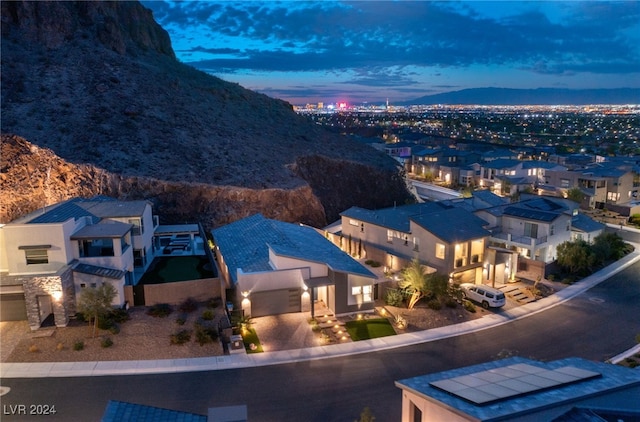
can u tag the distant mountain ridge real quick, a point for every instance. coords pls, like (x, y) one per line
(539, 96)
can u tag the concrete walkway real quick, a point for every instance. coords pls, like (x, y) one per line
(79, 369)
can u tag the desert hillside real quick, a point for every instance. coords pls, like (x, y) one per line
(97, 86)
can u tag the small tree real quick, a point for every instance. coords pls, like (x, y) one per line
(95, 303)
(418, 284)
(366, 416)
(575, 256)
(575, 194)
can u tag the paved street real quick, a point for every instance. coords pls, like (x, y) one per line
(338, 389)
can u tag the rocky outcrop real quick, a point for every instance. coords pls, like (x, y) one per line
(105, 108)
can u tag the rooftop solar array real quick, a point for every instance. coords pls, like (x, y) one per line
(506, 382)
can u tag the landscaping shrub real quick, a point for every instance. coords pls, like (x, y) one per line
(181, 337)
(205, 335)
(569, 280)
(181, 319)
(159, 310)
(214, 303)
(451, 302)
(189, 305)
(114, 329)
(315, 327)
(434, 304)
(106, 342)
(80, 317)
(33, 349)
(119, 315)
(394, 297)
(104, 323)
(208, 315)
(469, 306)
(78, 345)
(59, 347)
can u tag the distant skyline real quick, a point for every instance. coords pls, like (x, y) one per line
(368, 51)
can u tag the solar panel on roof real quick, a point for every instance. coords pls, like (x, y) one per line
(507, 382)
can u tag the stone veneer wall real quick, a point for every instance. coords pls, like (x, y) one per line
(46, 285)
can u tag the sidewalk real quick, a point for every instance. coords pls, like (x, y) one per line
(80, 369)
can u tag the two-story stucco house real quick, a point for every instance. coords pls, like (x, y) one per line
(449, 239)
(277, 267)
(49, 256)
(506, 177)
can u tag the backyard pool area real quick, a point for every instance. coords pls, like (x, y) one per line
(169, 269)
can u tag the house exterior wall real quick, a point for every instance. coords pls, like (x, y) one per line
(345, 301)
(271, 280)
(314, 269)
(431, 411)
(144, 240)
(55, 289)
(56, 235)
(88, 280)
(377, 235)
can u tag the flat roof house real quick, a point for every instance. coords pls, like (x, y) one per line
(50, 255)
(524, 390)
(277, 267)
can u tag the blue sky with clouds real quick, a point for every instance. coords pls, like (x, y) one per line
(368, 51)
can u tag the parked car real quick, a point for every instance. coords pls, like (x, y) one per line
(487, 296)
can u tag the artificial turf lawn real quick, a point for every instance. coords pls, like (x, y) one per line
(176, 268)
(249, 336)
(365, 329)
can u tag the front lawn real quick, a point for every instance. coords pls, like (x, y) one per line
(365, 329)
(250, 337)
(177, 268)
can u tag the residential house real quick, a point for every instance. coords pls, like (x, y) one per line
(524, 390)
(277, 267)
(50, 255)
(507, 177)
(446, 239)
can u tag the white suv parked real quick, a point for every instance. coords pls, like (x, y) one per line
(487, 296)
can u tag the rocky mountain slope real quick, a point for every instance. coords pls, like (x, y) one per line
(95, 102)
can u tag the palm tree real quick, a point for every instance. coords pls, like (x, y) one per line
(414, 282)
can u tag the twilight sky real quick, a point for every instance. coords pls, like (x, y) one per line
(368, 51)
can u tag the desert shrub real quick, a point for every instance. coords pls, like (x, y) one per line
(114, 329)
(451, 302)
(181, 319)
(33, 349)
(434, 304)
(189, 305)
(208, 315)
(569, 280)
(119, 315)
(315, 327)
(394, 297)
(78, 345)
(106, 342)
(159, 310)
(105, 323)
(214, 303)
(469, 306)
(181, 337)
(205, 335)
(80, 317)
(551, 277)
(59, 347)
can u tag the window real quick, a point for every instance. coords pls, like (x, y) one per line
(416, 413)
(564, 183)
(365, 292)
(613, 196)
(36, 256)
(96, 247)
(389, 236)
(440, 250)
(531, 230)
(416, 244)
(551, 229)
(83, 285)
(353, 222)
(136, 230)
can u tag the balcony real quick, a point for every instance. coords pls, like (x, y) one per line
(520, 240)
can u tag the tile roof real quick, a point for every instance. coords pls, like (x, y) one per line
(585, 223)
(395, 218)
(245, 244)
(99, 271)
(63, 212)
(453, 225)
(95, 208)
(118, 411)
(501, 163)
(613, 378)
(530, 214)
(102, 229)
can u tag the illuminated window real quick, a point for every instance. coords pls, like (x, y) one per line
(353, 223)
(390, 236)
(440, 250)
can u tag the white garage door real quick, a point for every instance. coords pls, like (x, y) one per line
(274, 302)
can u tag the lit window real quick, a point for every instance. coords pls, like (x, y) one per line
(357, 290)
(354, 222)
(440, 250)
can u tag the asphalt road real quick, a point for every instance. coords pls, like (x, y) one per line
(596, 325)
